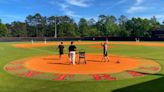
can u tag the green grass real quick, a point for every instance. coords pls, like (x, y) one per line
(11, 83)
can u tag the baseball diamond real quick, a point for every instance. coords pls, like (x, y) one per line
(81, 45)
(128, 61)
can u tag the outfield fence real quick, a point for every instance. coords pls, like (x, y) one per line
(22, 39)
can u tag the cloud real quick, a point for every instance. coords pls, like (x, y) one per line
(67, 11)
(80, 3)
(159, 16)
(135, 9)
(121, 2)
(64, 7)
(138, 2)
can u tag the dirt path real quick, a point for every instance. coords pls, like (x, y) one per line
(81, 43)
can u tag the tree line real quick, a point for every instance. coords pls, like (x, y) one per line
(65, 26)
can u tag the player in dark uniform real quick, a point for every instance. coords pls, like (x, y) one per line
(105, 51)
(72, 53)
(61, 50)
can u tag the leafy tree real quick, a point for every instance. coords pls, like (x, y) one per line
(92, 29)
(162, 26)
(83, 27)
(123, 32)
(3, 30)
(18, 29)
(111, 26)
(64, 25)
(53, 24)
(107, 25)
(139, 27)
(91, 22)
(101, 25)
(0, 21)
(155, 24)
(9, 30)
(36, 25)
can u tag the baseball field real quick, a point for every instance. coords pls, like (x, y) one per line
(35, 67)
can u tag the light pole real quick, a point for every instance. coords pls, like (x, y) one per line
(55, 36)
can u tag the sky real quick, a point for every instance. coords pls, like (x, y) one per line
(18, 10)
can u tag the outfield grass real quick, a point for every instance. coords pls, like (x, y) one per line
(11, 83)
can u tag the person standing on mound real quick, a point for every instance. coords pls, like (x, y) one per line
(61, 50)
(105, 51)
(72, 53)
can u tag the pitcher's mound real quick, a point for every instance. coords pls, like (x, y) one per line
(94, 64)
(50, 68)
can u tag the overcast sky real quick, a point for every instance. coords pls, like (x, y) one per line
(17, 10)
